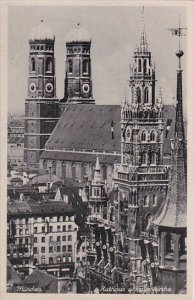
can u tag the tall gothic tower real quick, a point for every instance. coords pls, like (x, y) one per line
(41, 105)
(78, 82)
(142, 128)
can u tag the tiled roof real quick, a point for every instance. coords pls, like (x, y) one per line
(43, 280)
(16, 140)
(89, 127)
(12, 275)
(81, 157)
(174, 211)
(32, 207)
(44, 178)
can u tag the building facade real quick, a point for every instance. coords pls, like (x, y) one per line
(43, 235)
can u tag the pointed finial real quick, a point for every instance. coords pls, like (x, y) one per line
(142, 46)
(97, 168)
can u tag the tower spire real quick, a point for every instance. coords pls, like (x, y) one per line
(174, 210)
(142, 46)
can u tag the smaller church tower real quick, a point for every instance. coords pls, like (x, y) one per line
(41, 104)
(78, 82)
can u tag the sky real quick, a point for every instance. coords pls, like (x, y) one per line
(114, 32)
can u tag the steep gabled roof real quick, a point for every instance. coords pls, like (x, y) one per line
(89, 127)
(39, 279)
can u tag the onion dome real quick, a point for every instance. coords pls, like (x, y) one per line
(41, 33)
(78, 35)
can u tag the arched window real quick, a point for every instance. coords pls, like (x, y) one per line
(63, 170)
(139, 65)
(152, 136)
(153, 158)
(146, 95)
(33, 64)
(145, 66)
(49, 65)
(70, 66)
(143, 136)
(44, 164)
(154, 200)
(73, 169)
(144, 159)
(169, 244)
(138, 95)
(146, 200)
(54, 169)
(85, 66)
(104, 172)
(83, 171)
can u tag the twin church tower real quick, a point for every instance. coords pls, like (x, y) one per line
(42, 108)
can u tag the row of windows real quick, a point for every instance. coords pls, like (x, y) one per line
(77, 50)
(50, 228)
(140, 95)
(144, 65)
(150, 200)
(56, 219)
(51, 239)
(49, 64)
(85, 66)
(144, 135)
(42, 47)
(152, 158)
(51, 259)
(74, 170)
(64, 248)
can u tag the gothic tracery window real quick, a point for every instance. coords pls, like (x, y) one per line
(153, 158)
(54, 169)
(143, 136)
(152, 136)
(169, 244)
(144, 159)
(49, 65)
(70, 66)
(139, 65)
(146, 200)
(145, 66)
(138, 95)
(85, 66)
(146, 95)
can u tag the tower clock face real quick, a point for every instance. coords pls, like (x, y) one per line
(85, 88)
(32, 87)
(49, 87)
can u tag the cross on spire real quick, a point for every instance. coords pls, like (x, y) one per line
(178, 31)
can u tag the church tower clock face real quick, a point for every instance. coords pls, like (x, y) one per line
(49, 87)
(85, 88)
(32, 87)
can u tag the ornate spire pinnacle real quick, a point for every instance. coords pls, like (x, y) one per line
(142, 46)
(97, 176)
